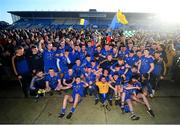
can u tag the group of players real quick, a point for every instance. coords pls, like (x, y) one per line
(127, 73)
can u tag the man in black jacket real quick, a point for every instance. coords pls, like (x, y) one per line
(21, 69)
(35, 60)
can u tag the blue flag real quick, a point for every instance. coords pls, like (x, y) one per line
(118, 21)
(83, 22)
(115, 24)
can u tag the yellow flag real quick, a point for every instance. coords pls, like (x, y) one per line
(82, 21)
(121, 18)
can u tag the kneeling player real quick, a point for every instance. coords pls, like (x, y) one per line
(37, 86)
(53, 81)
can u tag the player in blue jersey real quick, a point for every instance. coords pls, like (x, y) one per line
(139, 96)
(83, 52)
(123, 51)
(105, 51)
(86, 62)
(115, 52)
(78, 69)
(98, 54)
(90, 78)
(94, 66)
(53, 81)
(146, 64)
(76, 52)
(69, 77)
(65, 61)
(153, 48)
(76, 95)
(126, 98)
(90, 49)
(48, 57)
(131, 59)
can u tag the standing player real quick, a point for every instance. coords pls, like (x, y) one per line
(146, 64)
(48, 57)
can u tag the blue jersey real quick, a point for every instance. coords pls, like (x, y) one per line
(137, 84)
(82, 55)
(68, 47)
(118, 81)
(68, 77)
(49, 60)
(131, 60)
(78, 89)
(97, 53)
(72, 57)
(60, 51)
(127, 92)
(151, 51)
(86, 63)
(121, 70)
(90, 78)
(76, 55)
(122, 54)
(90, 50)
(145, 64)
(53, 81)
(95, 68)
(129, 75)
(78, 70)
(114, 55)
(105, 53)
(112, 73)
(63, 64)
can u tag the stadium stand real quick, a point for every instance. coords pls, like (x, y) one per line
(3, 24)
(65, 19)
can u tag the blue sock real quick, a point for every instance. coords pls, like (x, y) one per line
(63, 110)
(72, 109)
